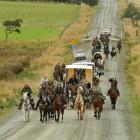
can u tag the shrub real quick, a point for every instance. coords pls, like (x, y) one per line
(131, 12)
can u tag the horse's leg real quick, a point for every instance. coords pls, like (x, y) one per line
(43, 116)
(40, 109)
(82, 113)
(28, 114)
(25, 115)
(55, 115)
(115, 100)
(99, 112)
(95, 111)
(46, 112)
(52, 114)
(113, 103)
(78, 112)
(58, 113)
(62, 112)
(83, 110)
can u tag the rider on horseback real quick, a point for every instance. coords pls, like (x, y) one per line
(60, 92)
(96, 90)
(27, 89)
(113, 52)
(114, 84)
(57, 66)
(42, 94)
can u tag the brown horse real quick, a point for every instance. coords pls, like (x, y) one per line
(58, 107)
(97, 105)
(113, 93)
(73, 89)
(80, 106)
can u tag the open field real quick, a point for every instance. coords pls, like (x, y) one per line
(42, 56)
(40, 20)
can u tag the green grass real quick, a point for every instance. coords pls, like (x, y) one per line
(40, 20)
(29, 33)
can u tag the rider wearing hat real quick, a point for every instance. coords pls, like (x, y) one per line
(27, 89)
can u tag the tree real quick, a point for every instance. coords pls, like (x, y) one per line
(131, 12)
(12, 26)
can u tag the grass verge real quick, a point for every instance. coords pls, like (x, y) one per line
(132, 70)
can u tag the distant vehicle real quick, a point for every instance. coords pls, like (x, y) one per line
(80, 54)
(106, 32)
(87, 38)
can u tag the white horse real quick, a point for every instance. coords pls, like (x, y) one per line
(26, 105)
(80, 106)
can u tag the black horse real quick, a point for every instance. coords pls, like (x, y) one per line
(44, 106)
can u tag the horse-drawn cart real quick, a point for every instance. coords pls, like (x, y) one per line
(83, 76)
(79, 71)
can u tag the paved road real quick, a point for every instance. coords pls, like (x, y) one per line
(114, 125)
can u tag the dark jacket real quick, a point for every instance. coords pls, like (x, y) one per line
(73, 81)
(27, 89)
(114, 82)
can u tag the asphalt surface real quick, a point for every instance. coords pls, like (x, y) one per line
(113, 125)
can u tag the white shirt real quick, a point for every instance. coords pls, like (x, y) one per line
(43, 81)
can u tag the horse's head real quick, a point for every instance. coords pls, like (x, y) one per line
(25, 95)
(25, 98)
(80, 89)
(73, 88)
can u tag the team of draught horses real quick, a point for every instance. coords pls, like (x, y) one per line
(54, 97)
